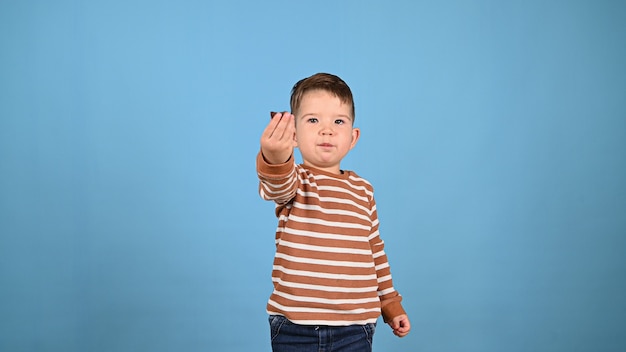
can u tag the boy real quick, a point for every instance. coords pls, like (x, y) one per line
(331, 276)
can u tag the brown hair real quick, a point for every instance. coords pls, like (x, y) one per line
(321, 81)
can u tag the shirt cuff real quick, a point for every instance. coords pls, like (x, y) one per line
(392, 310)
(273, 169)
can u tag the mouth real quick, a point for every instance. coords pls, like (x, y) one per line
(325, 145)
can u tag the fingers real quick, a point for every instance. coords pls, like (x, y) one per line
(277, 140)
(400, 325)
(281, 126)
(402, 331)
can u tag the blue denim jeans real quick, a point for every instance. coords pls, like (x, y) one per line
(290, 337)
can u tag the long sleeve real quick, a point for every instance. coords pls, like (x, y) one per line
(390, 298)
(277, 182)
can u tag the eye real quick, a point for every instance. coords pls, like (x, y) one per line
(312, 120)
(339, 122)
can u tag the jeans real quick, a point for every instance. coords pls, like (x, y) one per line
(290, 337)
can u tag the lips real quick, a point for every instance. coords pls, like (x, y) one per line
(325, 145)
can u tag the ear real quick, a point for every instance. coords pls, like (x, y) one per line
(356, 133)
(295, 138)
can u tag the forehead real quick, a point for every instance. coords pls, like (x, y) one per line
(320, 101)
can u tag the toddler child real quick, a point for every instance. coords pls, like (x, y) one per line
(331, 275)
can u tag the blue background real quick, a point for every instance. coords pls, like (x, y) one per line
(494, 134)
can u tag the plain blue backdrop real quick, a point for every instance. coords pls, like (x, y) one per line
(494, 133)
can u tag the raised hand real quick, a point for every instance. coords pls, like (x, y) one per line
(278, 138)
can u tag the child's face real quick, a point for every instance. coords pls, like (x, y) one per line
(324, 132)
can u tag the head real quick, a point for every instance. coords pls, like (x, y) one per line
(322, 81)
(324, 116)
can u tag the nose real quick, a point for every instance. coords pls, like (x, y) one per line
(326, 130)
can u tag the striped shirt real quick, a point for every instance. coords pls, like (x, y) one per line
(330, 266)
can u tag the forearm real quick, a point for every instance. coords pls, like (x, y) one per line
(278, 182)
(390, 299)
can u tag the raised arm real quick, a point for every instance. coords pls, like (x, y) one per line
(275, 164)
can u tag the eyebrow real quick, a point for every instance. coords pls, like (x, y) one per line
(337, 116)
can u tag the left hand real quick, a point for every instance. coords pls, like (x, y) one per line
(400, 325)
